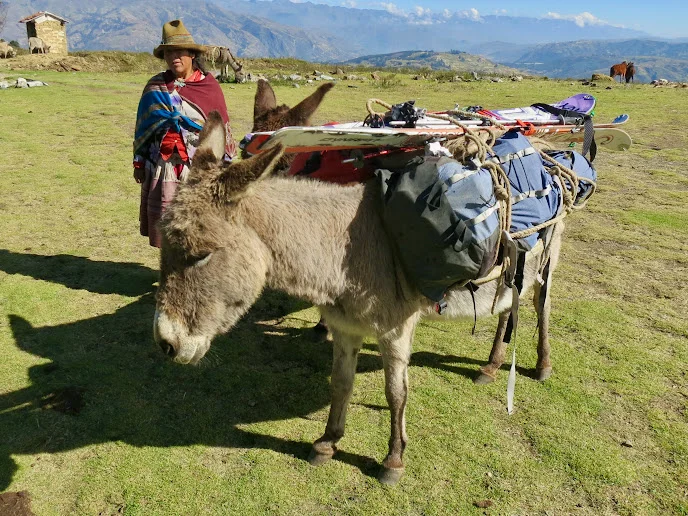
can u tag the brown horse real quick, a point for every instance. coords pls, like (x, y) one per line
(630, 72)
(618, 69)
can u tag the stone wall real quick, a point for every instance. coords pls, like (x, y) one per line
(52, 33)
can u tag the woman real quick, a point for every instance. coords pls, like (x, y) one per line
(173, 107)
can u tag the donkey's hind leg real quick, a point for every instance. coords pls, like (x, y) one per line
(488, 372)
(541, 300)
(345, 357)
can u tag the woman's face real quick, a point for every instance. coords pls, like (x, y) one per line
(179, 62)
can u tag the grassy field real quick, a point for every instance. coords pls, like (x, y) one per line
(95, 420)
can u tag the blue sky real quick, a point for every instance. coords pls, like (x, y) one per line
(665, 18)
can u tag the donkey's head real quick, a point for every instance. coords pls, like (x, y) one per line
(268, 116)
(212, 265)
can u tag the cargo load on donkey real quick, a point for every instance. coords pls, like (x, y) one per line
(444, 216)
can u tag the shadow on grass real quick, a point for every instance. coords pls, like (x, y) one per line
(126, 279)
(452, 363)
(107, 381)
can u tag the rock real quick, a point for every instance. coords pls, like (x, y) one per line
(375, 76)
(517, 78)
(296, 85)
(339, 71)
(475, 76)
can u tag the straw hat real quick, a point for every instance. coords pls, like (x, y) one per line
(176, 37)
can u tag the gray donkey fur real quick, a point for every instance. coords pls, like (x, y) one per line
(231, 231)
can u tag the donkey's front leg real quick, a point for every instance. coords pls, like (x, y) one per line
(488, 372)
(395, 357)
(345, 356)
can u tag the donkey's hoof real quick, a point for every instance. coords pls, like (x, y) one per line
(483, 378)
(390, 476)
(317, 458)
(544, 373)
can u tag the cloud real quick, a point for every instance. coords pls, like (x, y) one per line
(500, 12)
(349, 3)
(471, 14)
(392, 8)
(424, 16)
(581, 19)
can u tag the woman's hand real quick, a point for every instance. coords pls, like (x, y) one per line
(139, 175)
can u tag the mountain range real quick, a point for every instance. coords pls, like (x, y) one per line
(324, 33)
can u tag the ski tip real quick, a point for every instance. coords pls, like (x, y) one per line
(621, 119)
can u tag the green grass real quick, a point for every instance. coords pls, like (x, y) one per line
(232, 435)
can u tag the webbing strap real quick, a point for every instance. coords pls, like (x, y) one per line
(511, 382)
(589, 144)
(532, 193)
(513, 155)
(462, 175)
(512, 325)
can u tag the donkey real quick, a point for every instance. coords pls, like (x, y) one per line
(231, 231)
(269, 116)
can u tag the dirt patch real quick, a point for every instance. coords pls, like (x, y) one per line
(85, 62)
(15, 504)
(48, 62)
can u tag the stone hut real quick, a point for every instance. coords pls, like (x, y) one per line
(50, 28)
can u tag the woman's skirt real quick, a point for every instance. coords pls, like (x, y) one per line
(157, 191)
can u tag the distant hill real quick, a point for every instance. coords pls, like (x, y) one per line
(654, 59)
(136, 25)
(384, 31)
(455, 61)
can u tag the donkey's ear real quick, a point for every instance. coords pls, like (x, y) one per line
(301, 113)
(212, 140)
(237, 178)
(265, 99)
